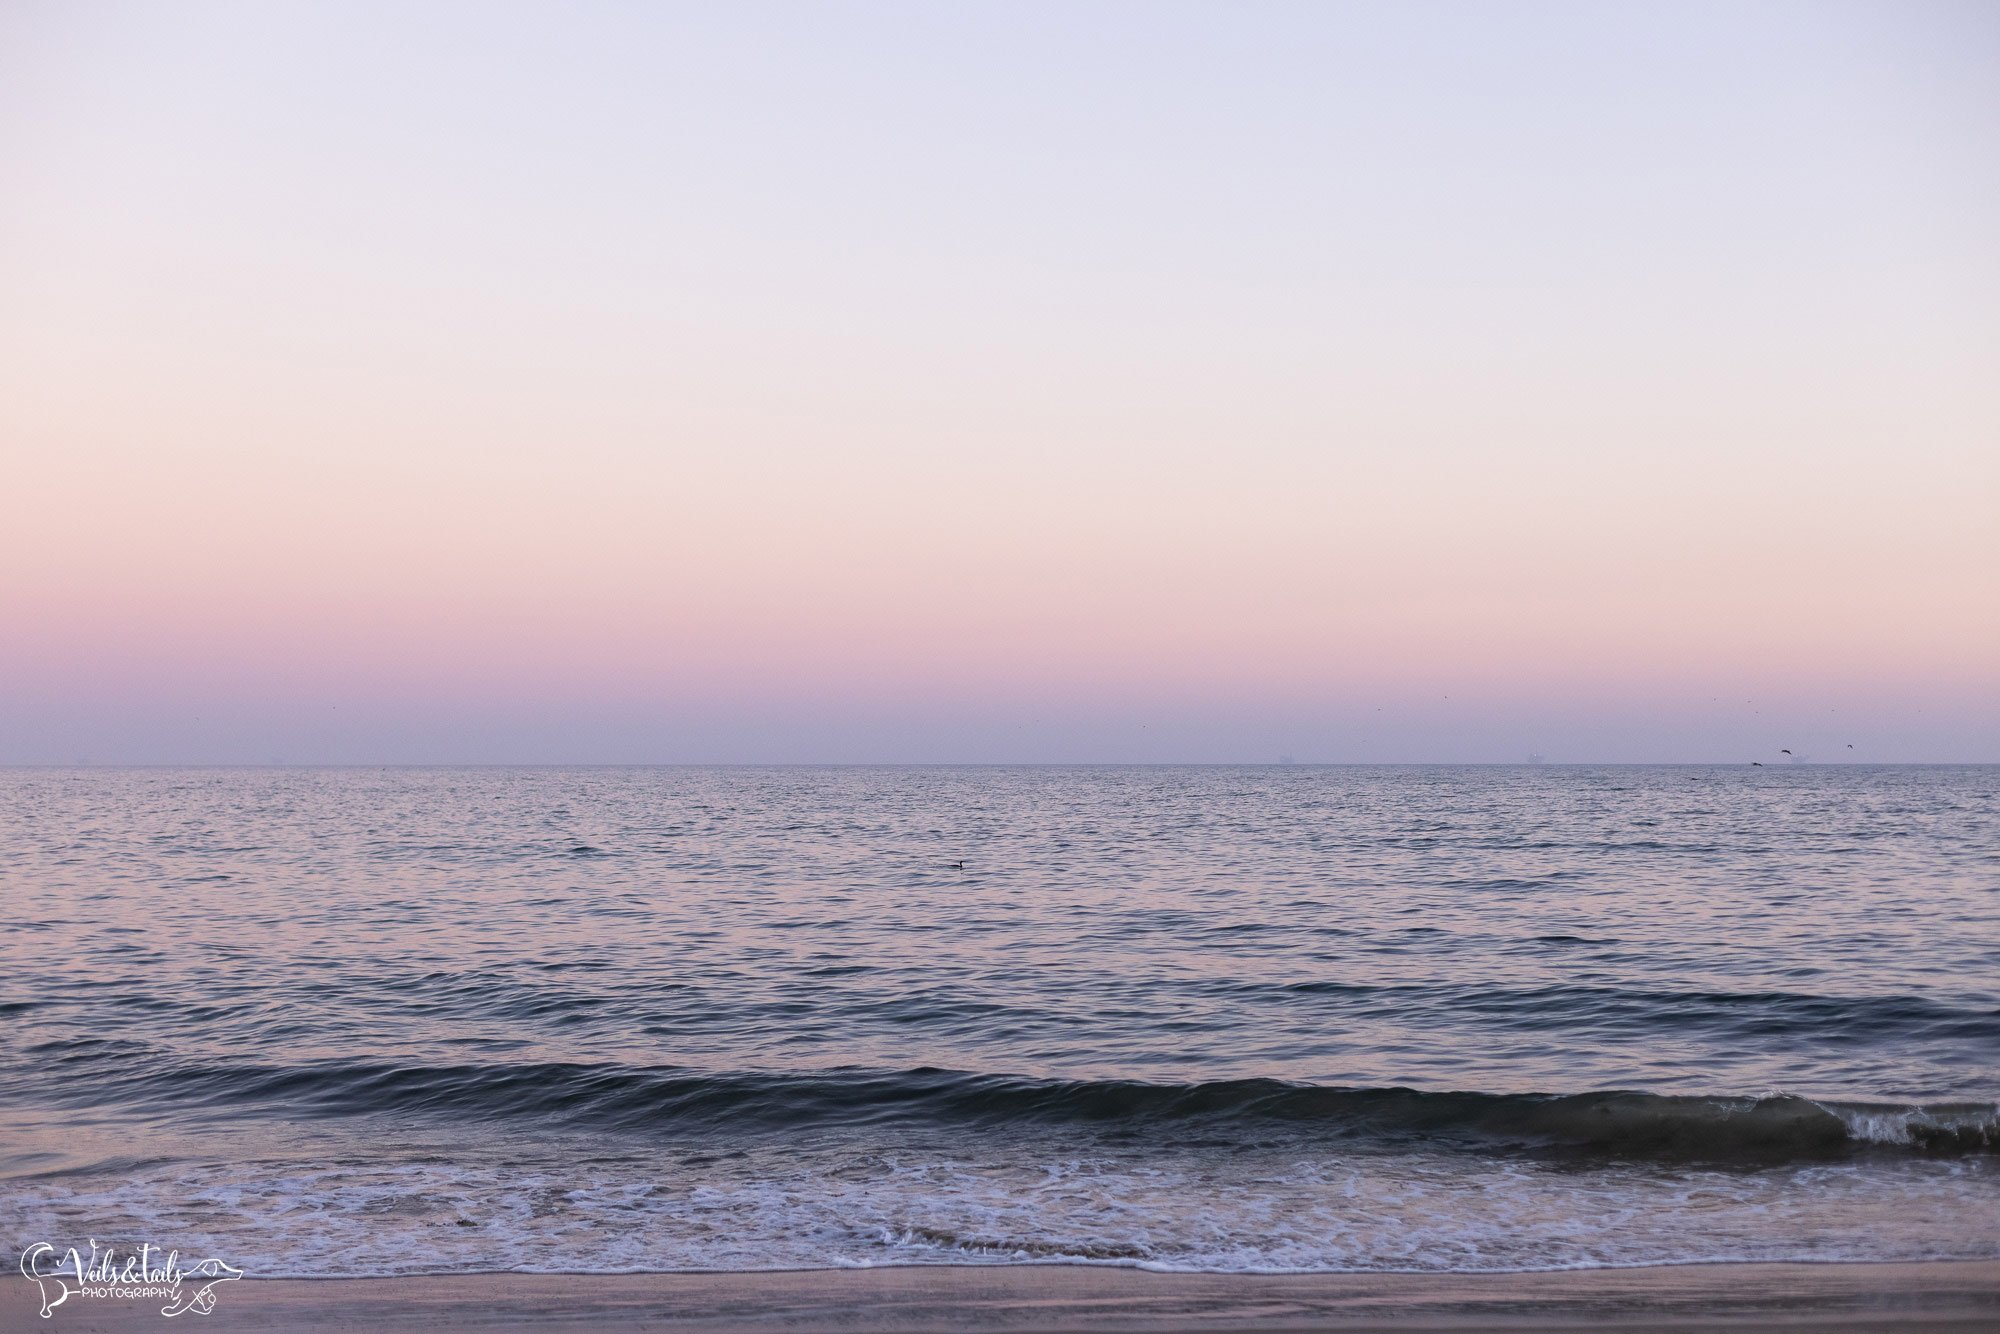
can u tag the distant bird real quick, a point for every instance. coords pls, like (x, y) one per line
(1850, 745)
(1756, 764)
(1784, 752)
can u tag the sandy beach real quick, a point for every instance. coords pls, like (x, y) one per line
(1848, 1297)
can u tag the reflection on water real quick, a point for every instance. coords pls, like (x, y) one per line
(770, 1018)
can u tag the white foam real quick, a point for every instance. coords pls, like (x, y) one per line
(1247, 1212)
(1903, 1126)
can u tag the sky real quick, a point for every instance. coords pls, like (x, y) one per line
(1016, 382)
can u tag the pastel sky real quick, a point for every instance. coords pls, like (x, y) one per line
(1006, 381)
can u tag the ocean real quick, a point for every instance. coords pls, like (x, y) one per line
(1288, 1018)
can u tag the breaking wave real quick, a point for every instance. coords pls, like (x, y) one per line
(1614, 1124)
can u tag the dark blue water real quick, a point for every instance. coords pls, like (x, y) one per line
(358, 1021)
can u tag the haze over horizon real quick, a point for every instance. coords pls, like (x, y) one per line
(894, 383)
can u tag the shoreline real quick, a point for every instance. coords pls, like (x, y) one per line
(1955, 1295)
(1084, 1262)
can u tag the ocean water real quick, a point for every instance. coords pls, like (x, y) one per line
(356, 1021)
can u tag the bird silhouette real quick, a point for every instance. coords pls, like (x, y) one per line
(1784, 752)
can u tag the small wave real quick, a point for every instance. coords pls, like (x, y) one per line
(1963, 1129)
(1011, 1248)
(629, 1098)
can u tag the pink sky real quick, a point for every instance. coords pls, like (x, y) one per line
(1006, 386)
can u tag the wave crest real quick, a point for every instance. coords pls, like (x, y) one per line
(640, 1099)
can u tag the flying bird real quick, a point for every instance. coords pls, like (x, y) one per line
(1784, 752)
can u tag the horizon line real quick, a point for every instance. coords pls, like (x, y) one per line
(1006, 764)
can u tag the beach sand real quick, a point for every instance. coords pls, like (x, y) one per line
(1847, 1297)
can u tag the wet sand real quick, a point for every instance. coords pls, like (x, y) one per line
(1846, 1297)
